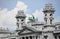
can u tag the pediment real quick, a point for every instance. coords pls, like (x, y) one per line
(26, 31)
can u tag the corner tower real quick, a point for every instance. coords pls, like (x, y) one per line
(49, 27)
(20, 19)
(48, 11)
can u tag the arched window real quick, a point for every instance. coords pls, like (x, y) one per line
(50, 14)
(50, 21)
(22, 20)
(45, 14)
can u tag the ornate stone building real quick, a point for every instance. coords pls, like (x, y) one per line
(34, 29)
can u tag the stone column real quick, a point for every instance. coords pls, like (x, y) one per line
(17, 37)
(25, 37)
(28, 37)
(38, 37)
(34, 37)
(20, 37)
(57, 37)
(41, 37)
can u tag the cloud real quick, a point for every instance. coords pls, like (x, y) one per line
(7, 18)
(57, 19)
(21, 6)
(39, 14)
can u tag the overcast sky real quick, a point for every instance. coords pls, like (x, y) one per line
(9, 9)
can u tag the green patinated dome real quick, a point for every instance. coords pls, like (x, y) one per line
(32, 19)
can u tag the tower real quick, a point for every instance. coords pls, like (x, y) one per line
(48, 28)
(48, 12)
(20, 19)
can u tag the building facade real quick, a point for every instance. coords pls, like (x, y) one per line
(34, 29)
